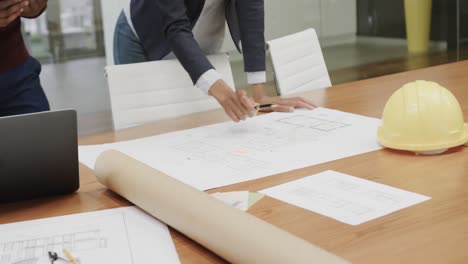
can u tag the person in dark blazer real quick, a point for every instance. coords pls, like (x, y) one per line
(149, 30)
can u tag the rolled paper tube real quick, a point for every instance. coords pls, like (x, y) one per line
(234, 235)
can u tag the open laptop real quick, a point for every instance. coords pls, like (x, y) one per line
(38, 155)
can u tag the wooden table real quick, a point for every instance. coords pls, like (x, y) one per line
(435, 231)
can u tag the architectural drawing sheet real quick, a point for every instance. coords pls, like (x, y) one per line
(227, 153)
(124, 235)
(345, 198)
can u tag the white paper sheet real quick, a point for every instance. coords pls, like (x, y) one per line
(239, 200)
(345, 198)
(123, 235)
(222, 154)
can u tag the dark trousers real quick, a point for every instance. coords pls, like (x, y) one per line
(127, 47)
(21, 91)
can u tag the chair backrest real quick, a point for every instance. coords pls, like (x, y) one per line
(151, 91)
(298, 63)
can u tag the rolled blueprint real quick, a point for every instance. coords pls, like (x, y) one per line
(232, 234)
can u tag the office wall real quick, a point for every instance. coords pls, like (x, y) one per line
(338, 23)
(334, 20)
(378, 18)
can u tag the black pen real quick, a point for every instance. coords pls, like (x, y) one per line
(262, 107)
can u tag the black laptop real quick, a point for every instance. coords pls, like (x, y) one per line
(38, 155)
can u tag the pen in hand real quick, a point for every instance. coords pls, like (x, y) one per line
(263, 107)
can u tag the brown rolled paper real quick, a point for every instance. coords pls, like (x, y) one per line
(232, 234)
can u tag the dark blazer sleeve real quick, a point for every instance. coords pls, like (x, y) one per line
(252, 32)
(178, 32)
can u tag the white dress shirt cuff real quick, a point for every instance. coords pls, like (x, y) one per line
(256, 77)
(207, 80)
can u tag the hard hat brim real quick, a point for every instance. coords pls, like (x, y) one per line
(423, 147)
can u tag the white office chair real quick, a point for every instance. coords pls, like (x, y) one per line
(298, 63)
(151, 91)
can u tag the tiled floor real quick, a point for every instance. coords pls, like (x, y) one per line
(81, 84)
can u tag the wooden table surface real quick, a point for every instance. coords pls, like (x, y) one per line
(435, 231)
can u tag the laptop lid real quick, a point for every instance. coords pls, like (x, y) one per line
(38, 155)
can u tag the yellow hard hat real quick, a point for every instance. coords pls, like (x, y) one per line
(423, 117)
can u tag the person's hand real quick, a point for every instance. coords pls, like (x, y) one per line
(10, 10)
(34, 8)
(282, 104)
(236, 105)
